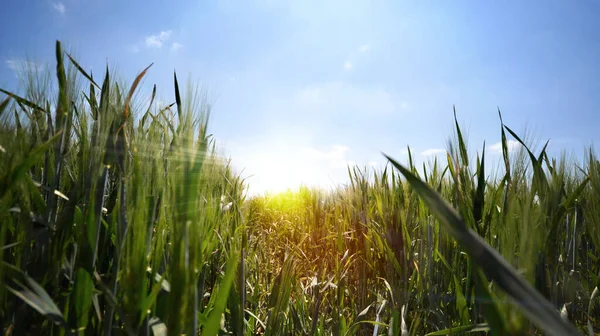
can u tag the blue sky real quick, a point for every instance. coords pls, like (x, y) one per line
(301, 88)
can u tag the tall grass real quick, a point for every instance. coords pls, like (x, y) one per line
(112, 218)
(119, 217)
(385, 253)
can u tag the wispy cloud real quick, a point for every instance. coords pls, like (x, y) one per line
(19, 65)
(337, 152)
(433, 152)
(513, 145)
(347, 65)
(156, 41)
(364, 48)
(176, 46)
(59, 7)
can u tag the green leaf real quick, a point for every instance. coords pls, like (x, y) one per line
(4, 104)
(214, 318)
(539, 177)
(22, 168)
(504, 148)
(82, 297)
(177, 96)
(21, 100)
(461, 142)
(490, 309)
(83, 72)
(478, 199)
(480, 327)
(34, 295)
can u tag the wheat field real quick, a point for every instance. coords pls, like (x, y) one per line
(119, 216)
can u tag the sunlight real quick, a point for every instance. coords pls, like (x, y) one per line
(277, 168)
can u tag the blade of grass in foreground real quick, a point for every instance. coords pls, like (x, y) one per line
(533, 304)
(474, 328)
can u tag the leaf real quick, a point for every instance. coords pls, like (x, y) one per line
(539, 177)
(214, 318)
(105, 93)
(21, 100)
(480, 327)
(280, 297)
(360, 318)
(595, 293)
(461, 143)
(82, 71)
(134, 86)
(490, 310)
(24, 166)
(4, 104)
(177, 96)
(34, 295)
(63, 102)
(504, 148)
(531, 302)
(461, 302)
(82, 296)
(478, 199)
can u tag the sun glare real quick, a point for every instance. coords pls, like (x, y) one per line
(276, 173)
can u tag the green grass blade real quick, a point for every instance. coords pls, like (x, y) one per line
(504, 148)
(490, 309)
(3, 105)
(538, 173)
(461, 142)
(82, 297)
(21, 100)
(479, 196)
(83, 72)
(473, 328)
(177, 96)
(34, 295)
(21, 169)
(213, 323)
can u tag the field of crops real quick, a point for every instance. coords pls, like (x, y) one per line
(118, 216)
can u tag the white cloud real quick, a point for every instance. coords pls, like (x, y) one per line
(176, 46)
(156, 41)
(433, 152)
(347, 65)
(337, 152)
(59, 7)
(364, 48)
(19, 65)
(513, 145)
